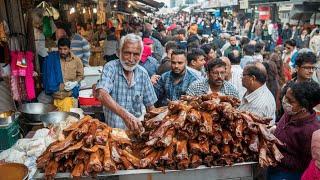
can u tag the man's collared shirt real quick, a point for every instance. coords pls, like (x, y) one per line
(81, 48)
(151, 65)
(72, 68)
(166, 89)
(201, 87)
(245, 60)
(260, 102)
(200, 74)
(131, 97)
(236, 79)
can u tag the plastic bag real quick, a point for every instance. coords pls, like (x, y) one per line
(64, 104)
(47, 30)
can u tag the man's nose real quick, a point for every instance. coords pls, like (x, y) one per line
(131, 59)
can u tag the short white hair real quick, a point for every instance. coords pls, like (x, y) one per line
(133, 38)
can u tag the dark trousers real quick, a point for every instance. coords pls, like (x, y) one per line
(277, 174)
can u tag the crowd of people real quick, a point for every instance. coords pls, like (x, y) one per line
(272, 70)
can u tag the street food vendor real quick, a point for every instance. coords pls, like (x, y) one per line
(125, 87)
(72, 73)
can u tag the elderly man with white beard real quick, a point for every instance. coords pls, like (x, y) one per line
(125, 87)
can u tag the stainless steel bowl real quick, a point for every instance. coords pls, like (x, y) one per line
(32, 111)
(6, 118)
(52, 118)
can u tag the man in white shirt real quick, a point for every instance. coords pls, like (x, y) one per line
(258, 99)
(236, 72)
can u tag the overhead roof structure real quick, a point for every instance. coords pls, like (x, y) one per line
(152, 3)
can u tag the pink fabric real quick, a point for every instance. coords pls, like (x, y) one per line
(147, 41)
(312, 172)
(146, 53)
(26, 72)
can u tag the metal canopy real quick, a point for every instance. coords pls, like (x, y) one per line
(152, 3)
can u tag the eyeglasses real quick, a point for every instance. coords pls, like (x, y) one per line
(309, 68)
(217, 74)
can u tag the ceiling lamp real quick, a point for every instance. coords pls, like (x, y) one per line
(95, 10)
(72, 10)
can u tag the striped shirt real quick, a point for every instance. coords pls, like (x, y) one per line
(131, 97)
(260, 102)
(81, 48)
(236, 79)
(201, 87)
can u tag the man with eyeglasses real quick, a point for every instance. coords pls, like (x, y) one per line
(305, 68)
(215, 83)
(258, 99)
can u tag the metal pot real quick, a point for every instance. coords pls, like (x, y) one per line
(7, 117)
(33, 111)
(52, 118)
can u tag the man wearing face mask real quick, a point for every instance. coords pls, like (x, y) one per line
(295, 130)
(173, 84)
(215, 83)
(305, 67)
(125, 87)
(258, 99)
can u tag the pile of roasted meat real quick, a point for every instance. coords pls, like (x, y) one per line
(206, 130)
(89, 147)
(194, 131)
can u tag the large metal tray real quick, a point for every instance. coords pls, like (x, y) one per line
(239, 171)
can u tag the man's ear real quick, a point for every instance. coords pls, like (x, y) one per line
(193, 62)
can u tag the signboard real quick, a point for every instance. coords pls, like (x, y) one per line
(244, 4)
(264, 12)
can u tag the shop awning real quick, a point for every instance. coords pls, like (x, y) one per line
(152, 3)
(304, 11)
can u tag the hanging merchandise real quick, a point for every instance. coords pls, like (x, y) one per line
(4, 31)
(49, 10)
(20, 71)
(47, 30)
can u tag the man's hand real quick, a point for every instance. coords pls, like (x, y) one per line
(133, 123)
(68, 86)
(155, 79)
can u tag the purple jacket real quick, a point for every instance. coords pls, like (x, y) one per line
(296, 135)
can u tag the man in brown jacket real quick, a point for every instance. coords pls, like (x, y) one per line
(71, 67)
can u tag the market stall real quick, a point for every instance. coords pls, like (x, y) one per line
(181, 141)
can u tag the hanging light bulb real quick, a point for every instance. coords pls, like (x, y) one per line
(72, 10)
(94, 10)
(84, 10)
(115, 6)
(129, 5)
